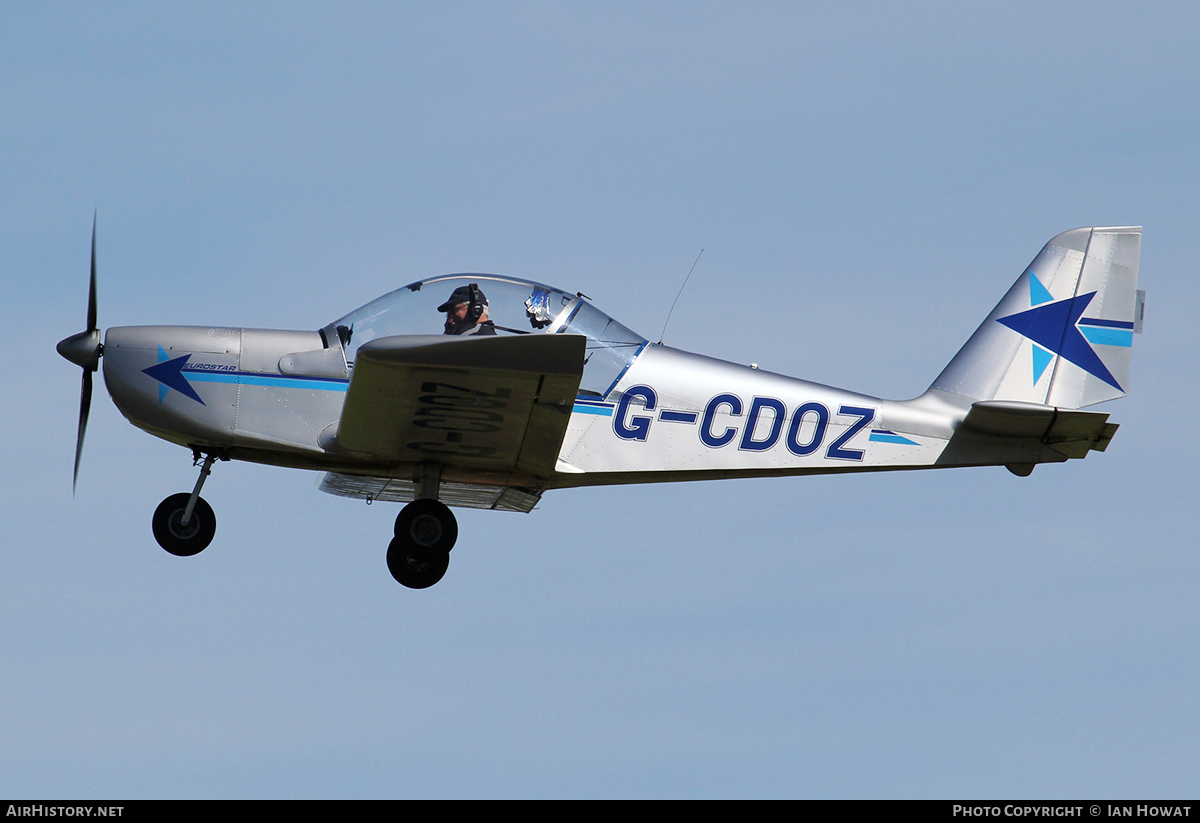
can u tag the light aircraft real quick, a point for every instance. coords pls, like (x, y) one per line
(484, 391)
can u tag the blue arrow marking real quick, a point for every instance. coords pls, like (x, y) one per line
(170, 374)
(1052, 326)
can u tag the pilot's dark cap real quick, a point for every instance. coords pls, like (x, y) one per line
(463, 295)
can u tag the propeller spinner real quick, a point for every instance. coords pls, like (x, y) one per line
(84, 350)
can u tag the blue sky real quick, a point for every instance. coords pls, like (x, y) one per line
(866, 182)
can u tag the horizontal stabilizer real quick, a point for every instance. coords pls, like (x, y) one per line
(1069, 432)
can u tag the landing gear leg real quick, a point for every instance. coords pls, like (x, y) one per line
(420, 553)
(184, 524)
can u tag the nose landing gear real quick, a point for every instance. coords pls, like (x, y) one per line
(184, 524)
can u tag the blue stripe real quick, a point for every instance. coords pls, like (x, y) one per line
(881, 437)
(267, 380)
(605, 411)
(1117, 324)
(1108, 337)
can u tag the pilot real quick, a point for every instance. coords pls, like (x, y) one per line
(467, 312)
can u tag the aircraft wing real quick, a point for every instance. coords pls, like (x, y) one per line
(489, 404)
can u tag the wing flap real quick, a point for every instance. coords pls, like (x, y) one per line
(401, 490)
(489, 403)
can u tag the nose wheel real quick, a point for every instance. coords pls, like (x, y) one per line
(419, 554)
(177, 537)
(184, 524)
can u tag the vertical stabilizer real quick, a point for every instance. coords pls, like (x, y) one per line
(1063, 335)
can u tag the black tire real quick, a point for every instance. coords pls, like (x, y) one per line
(428, 527)
(415, 574)
(179, 540)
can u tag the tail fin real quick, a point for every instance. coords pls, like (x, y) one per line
(1063, 334)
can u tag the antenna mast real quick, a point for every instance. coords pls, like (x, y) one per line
(681, 288)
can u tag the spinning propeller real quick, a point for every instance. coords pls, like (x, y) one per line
(84, 350)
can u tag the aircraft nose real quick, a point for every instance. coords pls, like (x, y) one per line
(83, 349)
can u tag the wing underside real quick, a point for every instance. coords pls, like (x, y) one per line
(490, 412)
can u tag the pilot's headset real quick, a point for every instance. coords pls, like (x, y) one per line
(477, 304)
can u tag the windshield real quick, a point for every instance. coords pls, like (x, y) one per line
(488, 304)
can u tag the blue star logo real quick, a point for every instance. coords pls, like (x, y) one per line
(169, 374)
(1053, 327)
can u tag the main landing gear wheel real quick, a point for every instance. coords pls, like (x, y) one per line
(420, 553)
(179, 539)
(415, 574)
(428, 527)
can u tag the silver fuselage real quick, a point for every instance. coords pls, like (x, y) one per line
(275, 397)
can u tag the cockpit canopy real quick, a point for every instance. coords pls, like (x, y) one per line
(514, 307)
